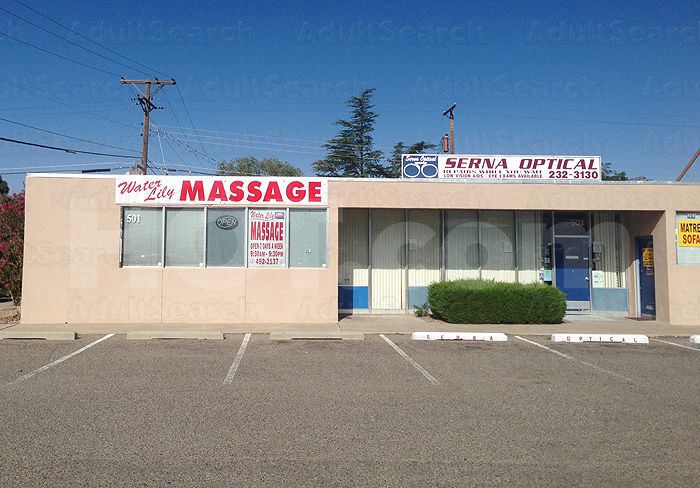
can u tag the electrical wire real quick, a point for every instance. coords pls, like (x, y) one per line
(259, 136)
(71, 42)
(67, 150)
(177, 120)
(282, 144)
(62, 170)
(19, 87)
(50, 19)
(59, 55)
(190, 117)
(64, 135)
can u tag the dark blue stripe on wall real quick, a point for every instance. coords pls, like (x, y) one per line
(353, 297)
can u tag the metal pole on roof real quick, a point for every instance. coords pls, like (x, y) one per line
(450, 112)
(688, 166)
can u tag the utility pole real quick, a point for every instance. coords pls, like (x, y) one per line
(144, 100)
(688, 166)
(450, 112)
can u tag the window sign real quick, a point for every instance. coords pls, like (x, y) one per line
(688, 237)
(267, 238)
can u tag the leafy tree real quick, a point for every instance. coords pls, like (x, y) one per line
(250, 165)
(11, 245)
(393, 170)
(4, 187)
(351, 153)
(611, 175)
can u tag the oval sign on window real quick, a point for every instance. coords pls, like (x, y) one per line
(227, 222)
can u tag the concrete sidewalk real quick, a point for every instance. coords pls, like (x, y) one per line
(394, 324)
(406, 324)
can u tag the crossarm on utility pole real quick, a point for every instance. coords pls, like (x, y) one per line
(147, 105)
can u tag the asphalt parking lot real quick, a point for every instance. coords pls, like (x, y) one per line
(386, 411)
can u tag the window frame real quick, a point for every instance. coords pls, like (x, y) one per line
(246, 209)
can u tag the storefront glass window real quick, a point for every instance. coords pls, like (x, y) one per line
(184, 237)
(226, 237)
(307, 238)
(353, 247)
(142, 243)
(530, 228)
(461, 244)
(497, 245)
(609, 242)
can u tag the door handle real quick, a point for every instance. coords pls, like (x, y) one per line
(587, 279)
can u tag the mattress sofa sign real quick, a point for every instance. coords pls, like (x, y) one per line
(221, 190)
(498, 167)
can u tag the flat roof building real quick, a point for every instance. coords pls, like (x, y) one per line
(218, 250)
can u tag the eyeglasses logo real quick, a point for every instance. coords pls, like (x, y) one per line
(420, 166)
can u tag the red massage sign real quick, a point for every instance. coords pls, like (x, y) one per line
(221, 190)
(267, 238)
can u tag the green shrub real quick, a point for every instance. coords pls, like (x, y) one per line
(492, 302)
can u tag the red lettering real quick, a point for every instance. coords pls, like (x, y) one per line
(236, 191)
(254, 193)
(217, 191)
(188, 192)
(273, 192)
(295, 191)
(450, 163)
(314, 191)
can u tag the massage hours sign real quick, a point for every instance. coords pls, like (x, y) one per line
(267, 227)
(267, 238)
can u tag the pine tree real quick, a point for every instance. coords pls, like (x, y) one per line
(393, 170)
(351, 153)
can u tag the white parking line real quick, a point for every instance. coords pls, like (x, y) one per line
(413, 363)
(585, 363)
(59, 361)
(237, 360)
(677, 345)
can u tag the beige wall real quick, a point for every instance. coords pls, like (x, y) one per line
(72, 273)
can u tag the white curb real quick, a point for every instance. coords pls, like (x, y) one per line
(695, 339)
(605, 338)
(459, 336)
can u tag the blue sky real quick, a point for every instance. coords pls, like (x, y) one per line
(615, 79)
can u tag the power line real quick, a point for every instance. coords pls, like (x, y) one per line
(71, 42)
(64, 166)
(282, 144)
(59, 55)
(259, 136)
(167, 100)
(184, 144)
(64, 135)
(67, 150)
(191, 123)
(88, 39)
(19, 87)
(64, 171)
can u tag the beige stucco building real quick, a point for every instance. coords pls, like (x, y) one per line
(364, 246)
